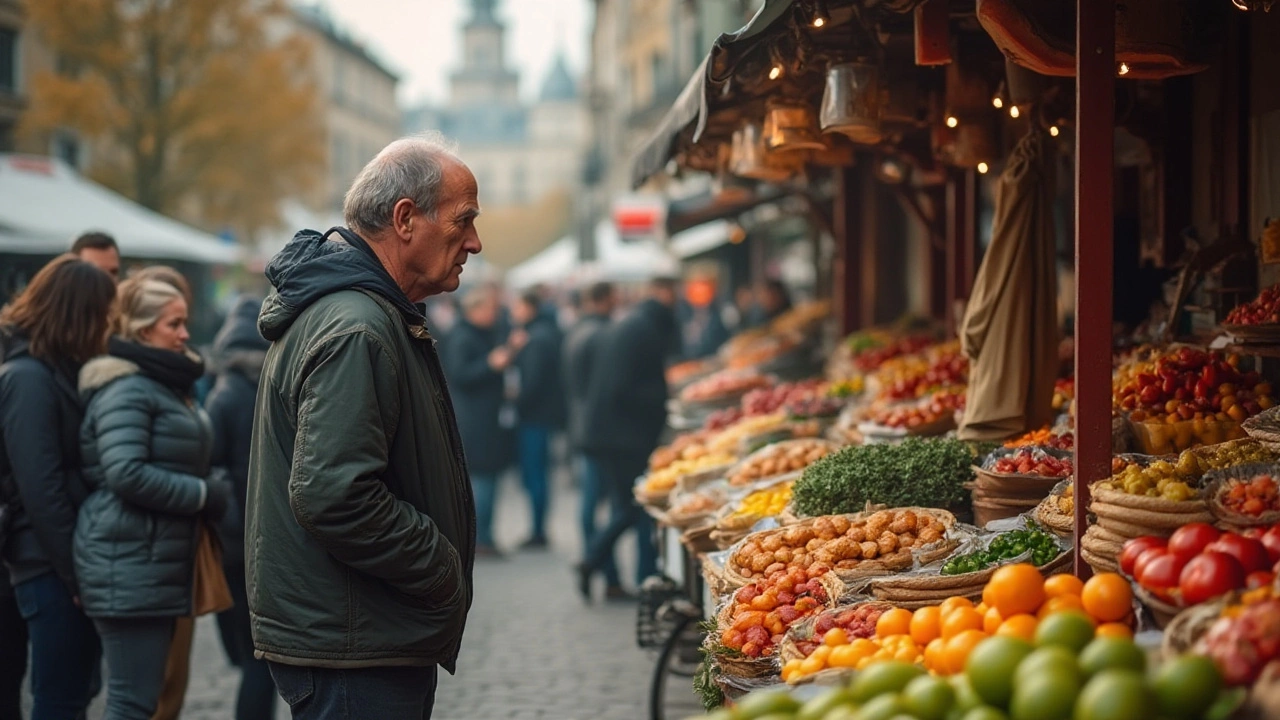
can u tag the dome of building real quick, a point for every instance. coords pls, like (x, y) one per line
(559, 85)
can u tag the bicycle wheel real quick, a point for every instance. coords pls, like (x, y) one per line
(671, 694)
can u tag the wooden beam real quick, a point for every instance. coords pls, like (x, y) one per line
(1095, 122)
(847, 232)
(933, 32)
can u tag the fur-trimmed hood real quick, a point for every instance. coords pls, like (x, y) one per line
(106, 369)
(102, 371)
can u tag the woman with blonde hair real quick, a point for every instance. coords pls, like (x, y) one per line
(146, 448)
(46, 334)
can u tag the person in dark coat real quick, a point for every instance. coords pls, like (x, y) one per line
(239, 352)
(773, 299)
(146, 447)
(626, 409)
(580, 347)
(46, 333)
(540, 405)
(474, 365)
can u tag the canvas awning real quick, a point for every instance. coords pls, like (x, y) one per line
(44, 205)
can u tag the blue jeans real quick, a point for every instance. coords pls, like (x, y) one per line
(535, 457)
(136, 650)
(384, 693)
(619, 472)
(593, 493)
(485, 487)
(64, 648)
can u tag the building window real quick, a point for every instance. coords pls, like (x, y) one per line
(8, 60)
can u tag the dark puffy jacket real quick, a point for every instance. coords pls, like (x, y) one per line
(478, 391)
(360, 524)
(239, 352)
(626, 406)
(40, 477)
(146, 453)
(541, 400)
(580, 346)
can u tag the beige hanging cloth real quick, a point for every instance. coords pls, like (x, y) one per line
(1010, 329)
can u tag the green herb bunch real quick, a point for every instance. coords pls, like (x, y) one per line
(921, 472)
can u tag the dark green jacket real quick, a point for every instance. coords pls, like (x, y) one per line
(145, 450)
(360, 530)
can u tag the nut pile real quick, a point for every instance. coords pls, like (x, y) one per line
(835, 541)
(779, 459)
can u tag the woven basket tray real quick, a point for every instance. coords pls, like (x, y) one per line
(1100, 546)
(1182, 633)
(940, 587)
(1162, 612)
(1048, 515)
(697, 540)
(1155, 520)
(1265, 426)
(1099, 564)
(1218, 483)
(1149, 504)
(802, 631)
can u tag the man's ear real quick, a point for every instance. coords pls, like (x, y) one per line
(402, 218)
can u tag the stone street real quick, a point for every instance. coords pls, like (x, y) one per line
(532, 648)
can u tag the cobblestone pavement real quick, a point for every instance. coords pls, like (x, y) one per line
(532, 648)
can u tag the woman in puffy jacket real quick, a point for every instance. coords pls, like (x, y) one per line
(145, 446)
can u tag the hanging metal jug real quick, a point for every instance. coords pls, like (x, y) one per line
(851, 103)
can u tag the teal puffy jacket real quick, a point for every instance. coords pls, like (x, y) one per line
(146, 452)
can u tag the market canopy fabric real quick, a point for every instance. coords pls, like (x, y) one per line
(616, 260)
(44, 205)
(1010, 329)
(691, 108)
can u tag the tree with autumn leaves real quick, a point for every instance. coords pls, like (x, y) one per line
(201, 109)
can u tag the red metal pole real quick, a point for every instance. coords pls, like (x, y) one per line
(1095, 120)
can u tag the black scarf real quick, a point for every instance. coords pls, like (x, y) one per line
(176, 371)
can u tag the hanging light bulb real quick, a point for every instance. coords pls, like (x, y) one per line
(1053, 130)
(952, 121)
(1124, 68)
(997, 102)
(983, 168)
(820, 16)
(775, 72)
(1014, 112)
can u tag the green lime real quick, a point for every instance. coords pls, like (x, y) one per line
(991, 667)
(1228, 702)
(845, 712)
(886, 677)
(1050, 658)
(1114, 694)
(1108, 653)
(1070, 629)
(928, 697)
(985, 713)
(818, 707)
(1050, 694)
(759, 704)
(884, 707)
(1186, 687)
(966, 697)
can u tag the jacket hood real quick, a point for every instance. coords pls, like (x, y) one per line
(102, 371)
(239, 346)
(312, 266)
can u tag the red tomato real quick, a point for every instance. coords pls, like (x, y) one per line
(1251, 553)
(1271, 541)
(1209, 575)
(1189, 540)
(1146, 557)
(1136, 547)
(1260, 578)
(1160, 573)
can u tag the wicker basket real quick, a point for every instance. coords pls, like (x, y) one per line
(1182, 633)
(926, 589)
(1157, 522)
(1048, 515)
(697, 540)
(1098, 563)
(1099, 545)
(1218, 483)
(1162, 612)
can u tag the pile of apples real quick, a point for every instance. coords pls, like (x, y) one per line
(1198, 563)
(766, 401)
(1193, 385)
(1262, 310)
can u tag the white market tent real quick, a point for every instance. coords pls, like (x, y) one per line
(616, 260)
(44, 205)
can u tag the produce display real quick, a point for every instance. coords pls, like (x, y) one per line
(847, 387)
(724, 384)
(721, 419)
(870, 353)
(1262, 310)
(1253, 496)
(762, 351)
(765, 401)
(1198, 563)
(918, 472)
(939, 407)
(1064, 391)
(729, 439)
(1032, 462)
(1044, 438)
(837, 627)
(768, 502)
(1159, 479)
(1006, 546)
(779, 459)
(819, 406)
(919, 379)
(839, 542)
(689, 446)
(1245, 640)
(665, 479)
(697, 503)
(683, 371)
(762, 611)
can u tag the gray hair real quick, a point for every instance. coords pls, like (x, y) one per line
(411, 167)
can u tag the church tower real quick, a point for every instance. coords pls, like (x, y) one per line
(484, 77)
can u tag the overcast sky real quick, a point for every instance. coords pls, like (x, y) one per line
(420, 39)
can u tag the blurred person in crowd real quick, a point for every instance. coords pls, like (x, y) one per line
(239, 352)
(540, 404)
(146, 446)
(773, 299)
(59, 322)
(475, 364)
(361, 521)
(701, 320)
(580, 348)
(100, 250)
(625, 410)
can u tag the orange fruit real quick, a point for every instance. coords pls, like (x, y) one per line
(1107, 597)
(982, 608)
(820, 653)
(1016, 589)
(811, 665)
(791, 669)
(954, 603)
(835, 636)
(987, 595)
(843, 656)
(933, 654)
(1115, 630)
(894, 622)
(1059, 604)
(1019, 626)
(926, 625)
(959, 620)
(1063, 584)
(956, 652)
(991, 621)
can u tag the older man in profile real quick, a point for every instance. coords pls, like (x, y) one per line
(360, 534)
